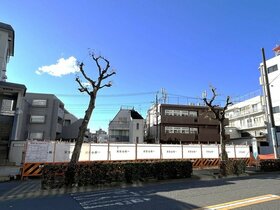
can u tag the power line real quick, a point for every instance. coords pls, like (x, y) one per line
(107, 95)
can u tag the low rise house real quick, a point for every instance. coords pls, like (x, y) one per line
(127, 127)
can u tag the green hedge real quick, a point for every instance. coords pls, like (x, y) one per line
(270, 165)
(232, 167)
(94, 173)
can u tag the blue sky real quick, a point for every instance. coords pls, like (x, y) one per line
(180, 45)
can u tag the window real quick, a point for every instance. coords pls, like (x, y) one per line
(67, 122)
(272, 68)
(168, 112)
(183, 130)
(194, 130)
(137, 139)
(168, 129)
(249, 122)
(193, 113)
(255, 107)
(37, 119)
(39, 102)
(137, 126)
(7, 105)
(36, 135)
(276, 109)
(185, 113)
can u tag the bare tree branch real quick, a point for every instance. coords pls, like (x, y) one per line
(108, 75)
(85, 76)
(220, 116)
(83, 88)
(109, 84)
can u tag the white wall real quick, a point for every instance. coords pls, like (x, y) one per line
(17, 152)
(134, 132)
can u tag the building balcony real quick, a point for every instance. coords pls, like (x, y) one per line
(118, 125)
(118, 138)
(7, 113)
(244, 114)
(252, 126)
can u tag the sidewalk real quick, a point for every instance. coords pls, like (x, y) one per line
(8, 172)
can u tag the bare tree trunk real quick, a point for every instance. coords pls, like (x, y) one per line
(95, 86)
(82, 131)
(223, 141)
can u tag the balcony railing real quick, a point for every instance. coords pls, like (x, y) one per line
(119, 125)
(251, 126)
(7, 113)
(245, 113)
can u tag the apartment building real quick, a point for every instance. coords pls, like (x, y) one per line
(248, 123)
(127, 127)
(248, 117)
(7, 37)
(43, 116)
(183, 124)
(273, 66)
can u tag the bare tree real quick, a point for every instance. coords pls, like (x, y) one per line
(104, 72)
(219, 114)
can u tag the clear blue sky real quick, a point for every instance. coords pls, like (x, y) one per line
(180, 45)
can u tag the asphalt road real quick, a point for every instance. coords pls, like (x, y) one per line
(177, 195)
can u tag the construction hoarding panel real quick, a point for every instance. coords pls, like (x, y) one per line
(148, 151)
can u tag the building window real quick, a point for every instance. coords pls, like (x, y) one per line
(183, 130)
(7, 105)
(39, 102)
(249, 123)
(194, 130)
(37, 119)
(36, 135)
(169, 112)
(272, 68)
(255, 107)
(137, 139)
(67, 122)
(137, 126)
(193, 113)
(276, 109)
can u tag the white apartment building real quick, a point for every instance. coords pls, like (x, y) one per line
(248, 117)
(247, 121)
(273, 66)
(127, 127)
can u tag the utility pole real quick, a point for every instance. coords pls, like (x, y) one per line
(269, 106)
(157, 139)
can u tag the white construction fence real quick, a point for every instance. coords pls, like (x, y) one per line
(51, 151)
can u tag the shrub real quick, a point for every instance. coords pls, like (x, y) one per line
(232, 167)
(53, 176)
(270, 165)
(92, 173)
